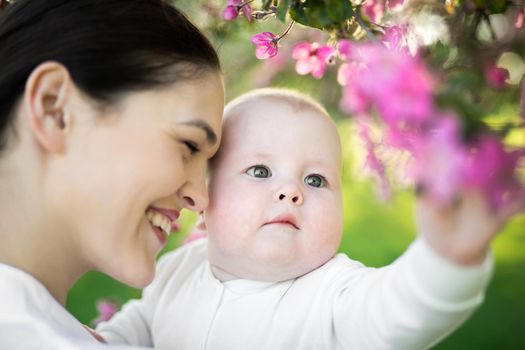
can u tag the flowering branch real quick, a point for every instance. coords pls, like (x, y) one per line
(435, 83)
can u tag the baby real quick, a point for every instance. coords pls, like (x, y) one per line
(268, 276)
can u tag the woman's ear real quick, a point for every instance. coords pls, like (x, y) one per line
(46, 95)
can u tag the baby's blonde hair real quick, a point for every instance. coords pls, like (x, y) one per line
(295, 99)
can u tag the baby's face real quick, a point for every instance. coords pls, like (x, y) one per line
(275, 196)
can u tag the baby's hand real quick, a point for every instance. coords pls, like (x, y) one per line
(462, 231)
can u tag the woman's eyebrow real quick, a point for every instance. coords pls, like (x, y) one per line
(210, 135)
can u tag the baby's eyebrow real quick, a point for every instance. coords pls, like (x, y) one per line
(201, 124)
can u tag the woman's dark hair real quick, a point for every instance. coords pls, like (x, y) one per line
(109, 47)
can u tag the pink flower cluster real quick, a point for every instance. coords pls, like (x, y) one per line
(398, 89)
(312, 58)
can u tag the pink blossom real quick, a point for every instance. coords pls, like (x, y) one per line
(396, 83)
(374, 10)
(353, 101)
(439, 158)
(106, 309)
(373, 162)
(347, 73)
(231, 11)
(518, 22)
(311, 58)
(394, 37)
(344, 48)
(395, 3)
(266, 45)
(492, 169)
(496, 76)
(522, 97)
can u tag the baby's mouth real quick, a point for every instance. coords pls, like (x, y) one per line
(285, 219)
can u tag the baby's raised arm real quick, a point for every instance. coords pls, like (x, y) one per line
(433, 287)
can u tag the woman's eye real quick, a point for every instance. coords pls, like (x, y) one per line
(191, 146)
(259, 171)
(315, 180)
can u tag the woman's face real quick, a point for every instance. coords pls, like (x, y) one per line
(130, 169)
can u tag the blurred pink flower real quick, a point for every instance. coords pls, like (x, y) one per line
(518, 22)
(266, 45)
(439, 158)
(353, 101)
(199, 231)
(194, 236)
(374, 10)
(106, 309)
(492, 169)
(394, 37)
(395, 3)
(372, 161)
(344, 48)
(347, 73)
(397, 84)
(522, 97)
(496, 76)
(231, 11)
(311, 58)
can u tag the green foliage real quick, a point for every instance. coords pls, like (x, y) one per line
(322, 14)
(283, 8)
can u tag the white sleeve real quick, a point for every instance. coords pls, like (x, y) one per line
(22, 332)
(132, 325)
(411, 304)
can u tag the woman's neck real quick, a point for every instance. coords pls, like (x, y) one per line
(33, 240)
(44, 262)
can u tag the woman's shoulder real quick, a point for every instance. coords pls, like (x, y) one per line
(20, 291)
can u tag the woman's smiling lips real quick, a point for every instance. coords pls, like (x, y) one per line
(284, 219)
(163, 221)
(173, 215)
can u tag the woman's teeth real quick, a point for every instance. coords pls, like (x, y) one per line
(159, 220)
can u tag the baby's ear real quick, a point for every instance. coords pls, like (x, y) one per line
(45, 98)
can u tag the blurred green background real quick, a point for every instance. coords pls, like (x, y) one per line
(375, 231)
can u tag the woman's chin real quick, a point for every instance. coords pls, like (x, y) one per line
(137, 277)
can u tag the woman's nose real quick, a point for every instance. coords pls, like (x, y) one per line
(194, 193)
(290, 193)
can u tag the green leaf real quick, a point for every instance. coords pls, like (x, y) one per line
(339, 11)
(321, 14)
(282, 9)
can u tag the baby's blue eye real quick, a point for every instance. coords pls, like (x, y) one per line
(259, 171)
(315, 180)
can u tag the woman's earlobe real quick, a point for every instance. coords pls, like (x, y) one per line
(46, 96)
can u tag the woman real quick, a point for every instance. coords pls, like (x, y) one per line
(109, 112)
